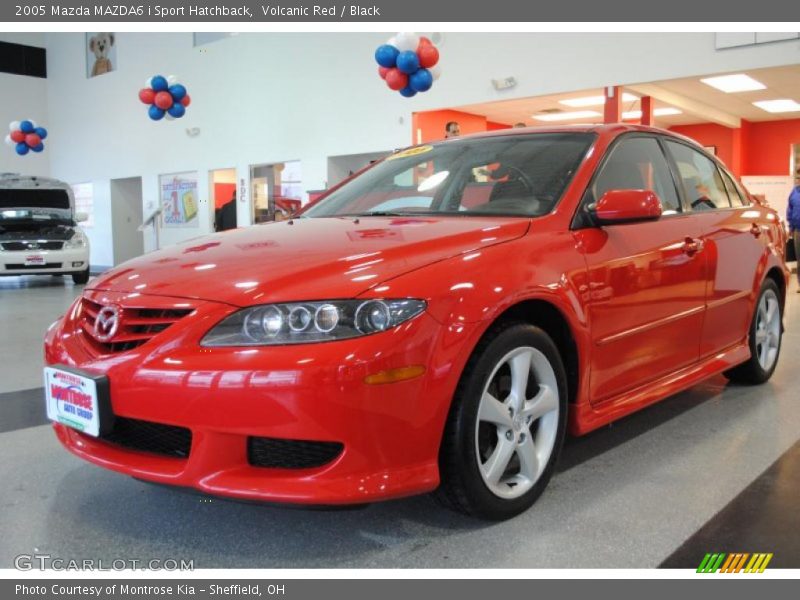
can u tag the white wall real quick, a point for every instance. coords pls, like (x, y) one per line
(267, 97)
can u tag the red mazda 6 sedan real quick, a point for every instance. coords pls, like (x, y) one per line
(439, 321)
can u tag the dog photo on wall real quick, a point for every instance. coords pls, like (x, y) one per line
(101, 53)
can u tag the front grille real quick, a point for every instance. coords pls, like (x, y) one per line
(137, 325)
(155, 438)
(290, 454)
(22, 246)
(24, 267)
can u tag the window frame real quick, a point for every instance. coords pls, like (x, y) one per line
(581, 219)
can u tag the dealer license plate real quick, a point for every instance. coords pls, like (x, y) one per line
(35, 260)
(73, 400)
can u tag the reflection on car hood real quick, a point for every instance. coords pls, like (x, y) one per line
(305, 259)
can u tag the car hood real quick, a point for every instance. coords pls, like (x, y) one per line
(305, 259)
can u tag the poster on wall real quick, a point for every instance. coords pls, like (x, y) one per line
(774, 189)
(178, 193)
(101, 53)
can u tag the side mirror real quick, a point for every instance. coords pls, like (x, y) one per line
(81, 217)
(626, 206)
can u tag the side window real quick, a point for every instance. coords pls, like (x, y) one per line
(702, 182)
(736, 196)
(637, 163)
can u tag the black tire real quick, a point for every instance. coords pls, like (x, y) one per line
(463, 487)
(81, 277)
(752, 372)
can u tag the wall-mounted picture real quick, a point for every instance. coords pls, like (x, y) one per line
(101, 53)
(179, 199)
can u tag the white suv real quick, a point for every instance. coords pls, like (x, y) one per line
(39, 233)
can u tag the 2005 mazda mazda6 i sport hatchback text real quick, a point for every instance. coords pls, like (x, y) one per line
(438, 322)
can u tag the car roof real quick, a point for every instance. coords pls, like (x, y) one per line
(23, 182)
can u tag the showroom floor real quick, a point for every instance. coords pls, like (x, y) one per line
(716, 468)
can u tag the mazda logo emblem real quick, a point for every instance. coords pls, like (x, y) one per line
(107, 323)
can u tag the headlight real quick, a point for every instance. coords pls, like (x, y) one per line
(76, 241)
(308, 322)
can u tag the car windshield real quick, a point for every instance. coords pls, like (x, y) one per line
(35, 204)
(514, 175)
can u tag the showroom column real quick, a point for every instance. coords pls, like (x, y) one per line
(613, 107)
(647, 110)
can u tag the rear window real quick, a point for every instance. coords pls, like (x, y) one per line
(522, 175)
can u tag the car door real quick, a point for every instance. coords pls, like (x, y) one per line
(734, 242)
(646, 293)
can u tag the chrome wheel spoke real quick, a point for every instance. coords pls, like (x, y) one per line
(545, 401)
(494, 411)
(529, 465)
(497, 463)
(520, 371)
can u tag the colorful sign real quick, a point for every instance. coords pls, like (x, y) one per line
(179, 200)
(737, 562)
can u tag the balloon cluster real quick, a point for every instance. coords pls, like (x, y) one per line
(26, 136)
(166, 97)
(408, 63)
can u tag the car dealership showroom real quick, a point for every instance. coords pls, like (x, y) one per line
(401, 299)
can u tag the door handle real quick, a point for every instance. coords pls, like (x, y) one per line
(692, 246)
(755, 229)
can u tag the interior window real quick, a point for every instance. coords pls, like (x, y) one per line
(637, 163)
(736, 196)
(701, 180)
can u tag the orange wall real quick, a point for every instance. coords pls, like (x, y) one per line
(223, 192)
(757, 148)
(494, 126)
(430, 124)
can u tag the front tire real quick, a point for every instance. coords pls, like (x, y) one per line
(506, 426)
(81, 277)
(765, 336)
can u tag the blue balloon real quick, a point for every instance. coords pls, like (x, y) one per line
(177, 92)
(41, 132)
(159, 83)
(408, 62)
(156, 113)
(177, 110)
(421, 81)
(408, 92)
(26, 127)
(386, 55)
(22, 148)
(38, 147)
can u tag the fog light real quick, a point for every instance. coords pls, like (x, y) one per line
(77, 264)
(394, 375)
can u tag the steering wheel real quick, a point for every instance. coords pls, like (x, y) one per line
(521, 175)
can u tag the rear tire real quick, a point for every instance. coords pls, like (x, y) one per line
(764, 338)
(506, 425)
(81, 277)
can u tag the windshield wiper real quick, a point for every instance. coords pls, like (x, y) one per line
(388, 213)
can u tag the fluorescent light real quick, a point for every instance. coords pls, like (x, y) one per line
(778, 106)
(566, 116)
(731, 84)
(666, 111)
(594, 100)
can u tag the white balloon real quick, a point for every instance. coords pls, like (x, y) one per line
(392, 41)
(9, 141)
(169, 117)
(148, 82)
(436, 71)
(33, 123)
(407, 40)
(172, 80)
(13, 126)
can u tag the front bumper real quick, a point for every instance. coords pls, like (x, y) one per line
(315, 392)
(55, 261)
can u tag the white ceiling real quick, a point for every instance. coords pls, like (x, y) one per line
(698, 101)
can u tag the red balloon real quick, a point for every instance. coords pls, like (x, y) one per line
(147, 95)
(163, 100)
(423, 41)
(428, 56)
(382, 71)
(186, 101)
(396, 79)
(17, 136)
(33, 140)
